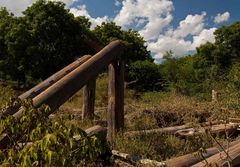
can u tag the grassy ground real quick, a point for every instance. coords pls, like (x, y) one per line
(147, 111)
(155, 110)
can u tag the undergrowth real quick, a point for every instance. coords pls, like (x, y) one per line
(34, 140)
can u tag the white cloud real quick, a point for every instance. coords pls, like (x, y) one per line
(82, 11)
(191, 25)
(157, 14)
(205, 36)
(177, 41)
(18, 6)
(221, 17)
(154, 18)
(117, 2)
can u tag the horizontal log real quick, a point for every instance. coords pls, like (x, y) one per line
(120, 163)
(36, 90)
(167, 130)
(191, 159)
(215, 130)
(99, 131)
(222, 159)
(136, 159)
(62, 90)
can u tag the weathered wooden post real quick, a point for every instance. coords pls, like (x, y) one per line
(214, 96)
(115, 98)
(89, 100)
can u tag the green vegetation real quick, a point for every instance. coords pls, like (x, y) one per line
(45, 143)
(175, 92)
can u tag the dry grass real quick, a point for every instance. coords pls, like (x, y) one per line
(146, 111)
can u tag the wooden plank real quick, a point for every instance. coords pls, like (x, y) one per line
(222, 159)
(120, 95)
(89, 100)
(191, 159)
(115, 116)
(111, 117)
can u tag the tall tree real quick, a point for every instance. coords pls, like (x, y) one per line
(136, 47)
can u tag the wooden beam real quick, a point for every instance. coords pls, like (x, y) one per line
(57, 94)
(172, 130)
(215, 130)
(36, 90)
(62, 90)
(222, 159)
(191, 159)
(89, 100)
(115, 98)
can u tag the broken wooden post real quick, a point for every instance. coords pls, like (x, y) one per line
(214, 96)
(115, 98)
(89, 100)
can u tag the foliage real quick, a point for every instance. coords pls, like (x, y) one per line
(46, 33)
(136, 48)
(144, 75)
(228, 43)
(45, 143)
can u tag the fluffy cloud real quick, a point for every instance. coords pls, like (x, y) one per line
(177, 39)
(18, 6)
(155, 13)
(117, 2)
(221, 17)
(192, 25)
(82, 11)
(206, 35)
(154, 18)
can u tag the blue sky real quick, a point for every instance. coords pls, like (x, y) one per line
(177, 25)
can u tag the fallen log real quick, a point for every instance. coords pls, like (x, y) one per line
(120, 163)
(232, 158)
(215, 130)
(167, 130)
(191, 159)
(136, 159)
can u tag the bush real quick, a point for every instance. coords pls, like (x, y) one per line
(44, 143)
(144, 75)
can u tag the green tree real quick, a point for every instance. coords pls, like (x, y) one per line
(5, 20)
(228, 42)
(145, 76)
(56, 37)
(45, 39)
(135, 44)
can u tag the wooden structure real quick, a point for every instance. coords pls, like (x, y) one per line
(57, 89)
(82, 73)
